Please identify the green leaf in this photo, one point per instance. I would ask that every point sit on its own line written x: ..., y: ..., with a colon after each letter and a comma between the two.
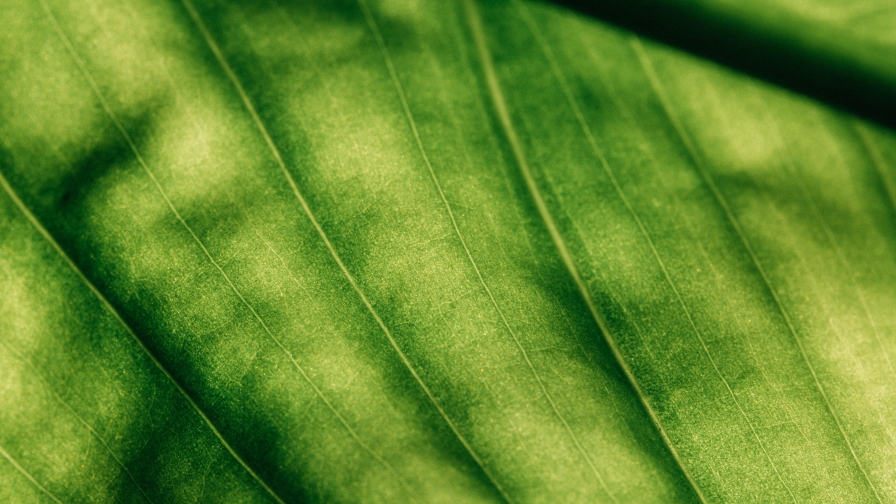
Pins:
x: 854, y: 35
x: 419, y: 251
x: 836, y: 50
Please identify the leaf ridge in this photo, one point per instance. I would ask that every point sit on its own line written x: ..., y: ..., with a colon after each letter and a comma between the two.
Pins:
x: 307, y: 210
x: 508, y: 181
x: 413, y: 125
x: 552, y: 60
x: 499, y: 103
x: 28, y: 475
x: 658, y: 89
x: 564, y: 85
x: 76, y: 415
x: 708, y: 260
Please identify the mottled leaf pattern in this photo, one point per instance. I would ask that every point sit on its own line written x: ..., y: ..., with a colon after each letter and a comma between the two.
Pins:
x: 419, y: 251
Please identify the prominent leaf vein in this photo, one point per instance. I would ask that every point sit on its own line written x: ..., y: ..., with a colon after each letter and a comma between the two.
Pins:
x: 107, y: 108
x: 211, y: 259
x: 413, y: 125
x: 657, y: 87
x: 500, y: 106
x: 598, y: 153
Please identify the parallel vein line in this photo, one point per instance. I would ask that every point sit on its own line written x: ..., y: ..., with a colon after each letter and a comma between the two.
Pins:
x: 413, y: 125
x: 657, y: 87
x: 598, y: 153
x: 500, y: 105
x: 28, y: 475
x: 217, y: 266
x: 835, y: 243
x: 709, y: 261
x: 107, y: 108
x: 109, y: 308
x: 880, y: 168
x: 307, y: 210
x: 83, y: 422
x: 342, y: 420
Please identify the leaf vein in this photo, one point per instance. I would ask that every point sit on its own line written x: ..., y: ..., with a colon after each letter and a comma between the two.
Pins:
x: 107, y: 108
x: 320, y: 232
x: 501, y: 110
x: 658, y: 89
x: 832, y: 238
x: 80, y: 419
x: 109, y: 308
x: 564, y: 85
x: 28, y: 475
x: 413, y: 125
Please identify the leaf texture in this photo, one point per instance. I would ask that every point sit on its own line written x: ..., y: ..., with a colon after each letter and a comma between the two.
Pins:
x: 414, y: 251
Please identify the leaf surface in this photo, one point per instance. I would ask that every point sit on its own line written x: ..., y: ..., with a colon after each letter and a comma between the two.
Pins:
x: 429, y: 252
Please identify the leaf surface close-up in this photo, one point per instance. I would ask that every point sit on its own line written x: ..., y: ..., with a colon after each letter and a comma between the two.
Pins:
x: 423, y: 251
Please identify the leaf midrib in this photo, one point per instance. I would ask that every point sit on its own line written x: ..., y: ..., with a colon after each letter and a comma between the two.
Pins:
x: 500, y: 108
